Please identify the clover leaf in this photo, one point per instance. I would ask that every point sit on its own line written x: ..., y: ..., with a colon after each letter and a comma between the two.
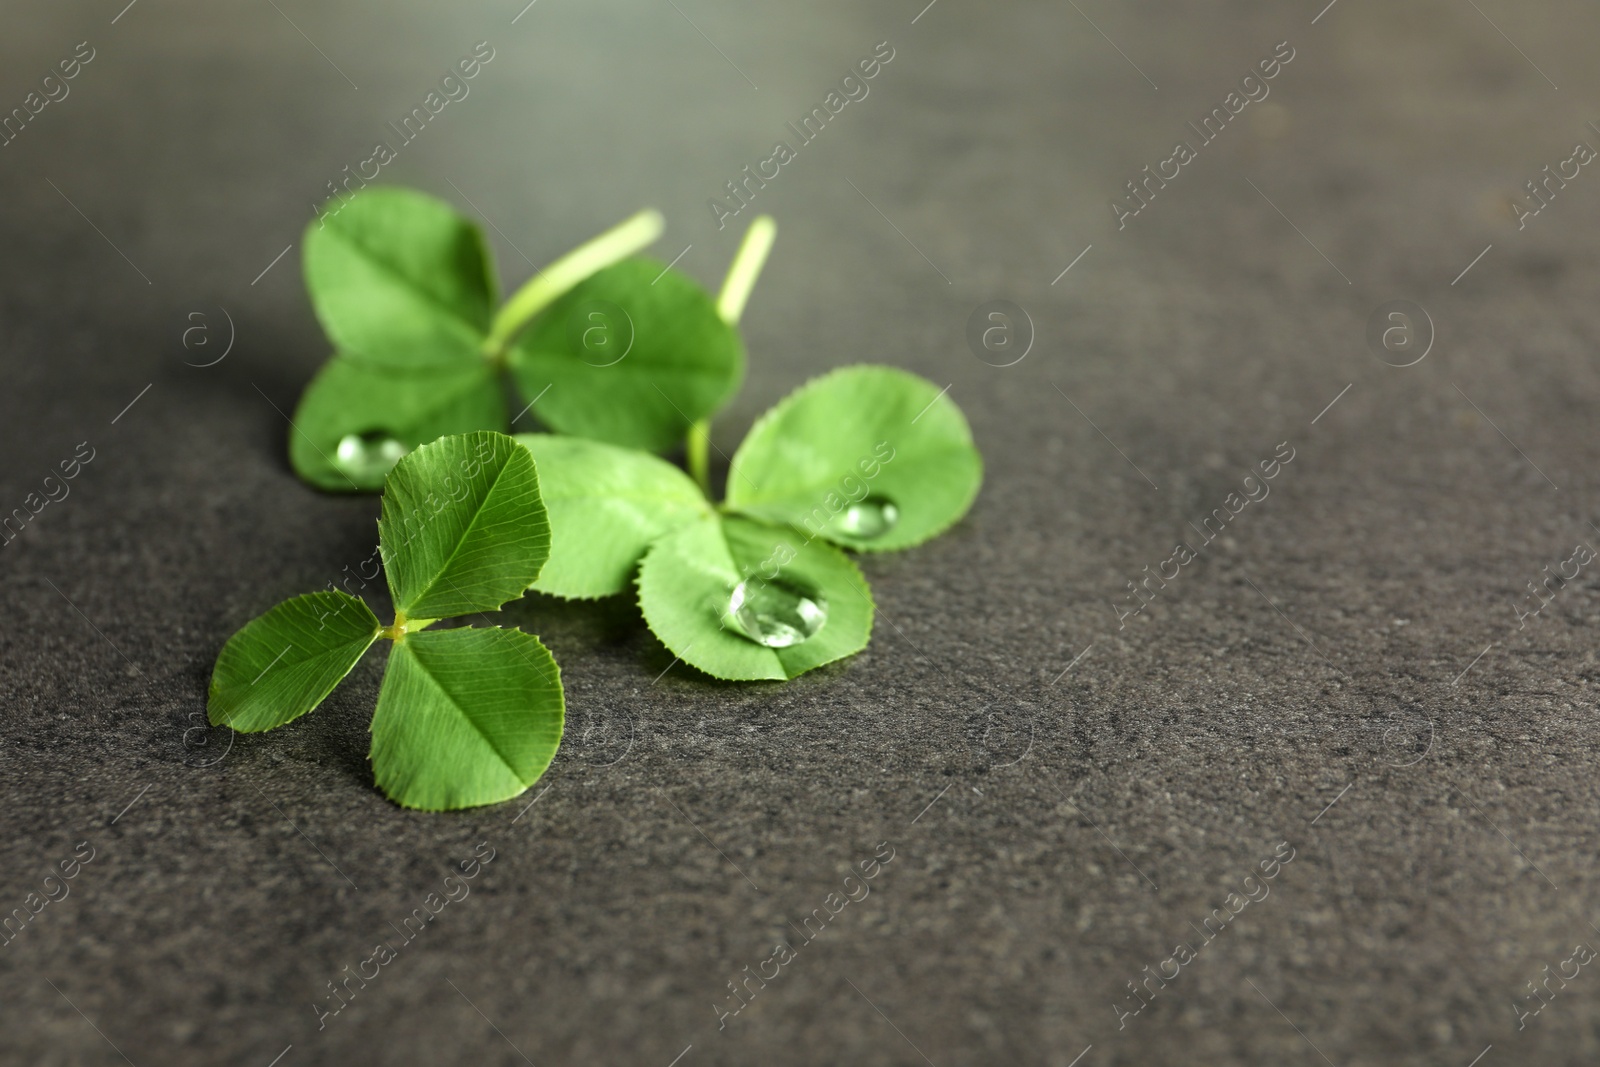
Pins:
x: 405, y: 289
x: 357, y: 419
x: 872, y: 458
x: 464, y: 528
x: 398, y: 278
x: 869, y: 458
x: 608, y: 504
x: 464, y: 716
x: 745, y: 601
x: 286, y: 662
x: 632, y: 356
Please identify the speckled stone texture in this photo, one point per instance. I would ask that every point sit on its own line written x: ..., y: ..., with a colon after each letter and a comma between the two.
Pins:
x: 1068, y: 790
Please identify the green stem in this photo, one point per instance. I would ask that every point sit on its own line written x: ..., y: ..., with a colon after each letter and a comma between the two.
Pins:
x: 746, y: 268
x: 736, y: 287
x: 402, y: 626
x: 698, y: 444
x: 545, y: 287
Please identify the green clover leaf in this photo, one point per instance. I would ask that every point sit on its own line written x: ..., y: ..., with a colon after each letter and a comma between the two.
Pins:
x: 464, y: 528
x: 398, y: 278
x: 872, y: 458
x: 356, y: 419
x: 632, y: 356
x: 286, y: 662
x: 869, y: 458
x: 745, y: 601
x: 465, y: 716
x: 608, y: 504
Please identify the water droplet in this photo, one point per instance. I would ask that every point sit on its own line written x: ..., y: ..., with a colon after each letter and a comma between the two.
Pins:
x: 368, y: 456
x: 865, y: 519
x: 772, y: 614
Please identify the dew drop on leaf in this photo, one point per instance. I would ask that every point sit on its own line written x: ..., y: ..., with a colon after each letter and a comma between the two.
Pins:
x: 774, y: 615
x: 368, y: 456
x: 865, y: 519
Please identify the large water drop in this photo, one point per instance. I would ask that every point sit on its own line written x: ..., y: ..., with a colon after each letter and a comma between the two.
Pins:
x: 865, y: 519
x: 367, y: 457
x: 772, y: 614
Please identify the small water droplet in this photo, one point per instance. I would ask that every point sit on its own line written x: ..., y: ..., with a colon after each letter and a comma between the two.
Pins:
x: 865, y: 519
x: 368, y: 456
x: 773, y: 614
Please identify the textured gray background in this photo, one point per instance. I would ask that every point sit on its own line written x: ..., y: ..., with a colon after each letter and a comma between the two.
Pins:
x: 1080, y: 822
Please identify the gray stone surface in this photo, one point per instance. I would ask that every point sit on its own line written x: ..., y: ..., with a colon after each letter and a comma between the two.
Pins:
x: 1054, y: 830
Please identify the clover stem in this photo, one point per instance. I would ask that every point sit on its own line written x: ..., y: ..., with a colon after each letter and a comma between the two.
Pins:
x: 746, y: 268
x: 402, y: 626
x: 736, y: 287
x: 545, y: 287
x: 699, y: 461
